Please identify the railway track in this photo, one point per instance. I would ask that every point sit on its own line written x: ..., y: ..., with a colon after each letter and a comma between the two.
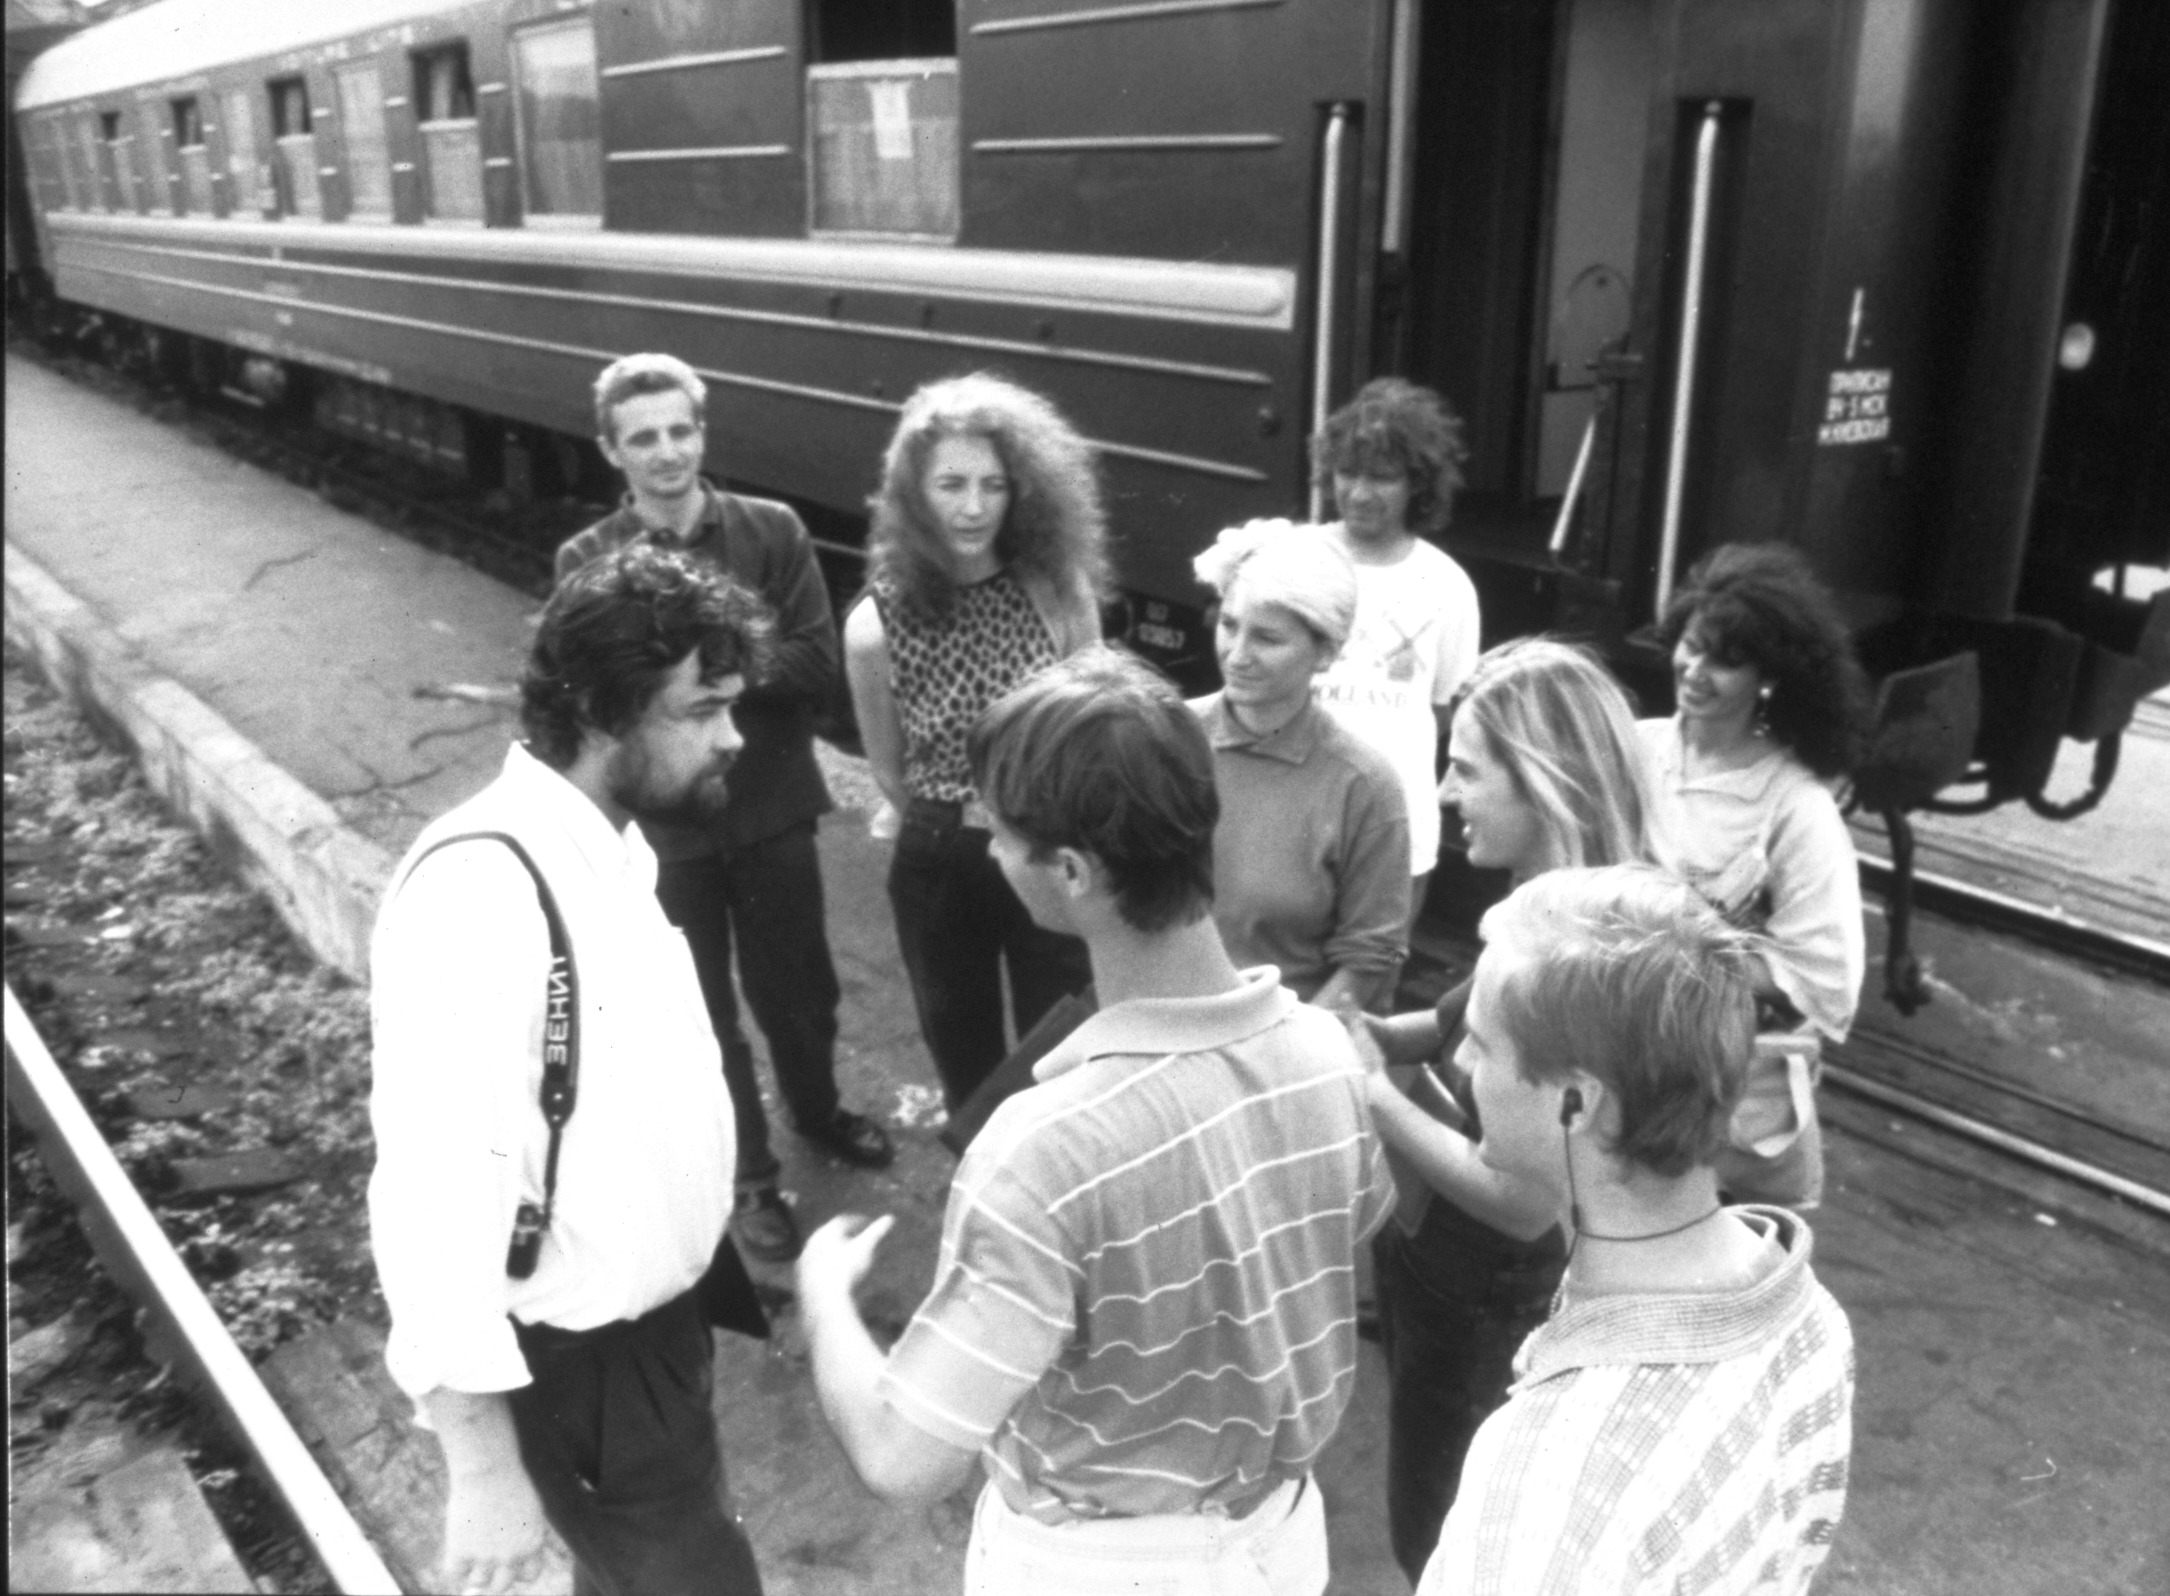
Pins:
x: 2064, y: 935
x: 1888, y: 1064
x: 136, y: 1254
x: 2039, y: 1128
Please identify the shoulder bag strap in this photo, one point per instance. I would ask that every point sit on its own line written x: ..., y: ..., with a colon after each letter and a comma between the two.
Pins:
x: 561, y: 1050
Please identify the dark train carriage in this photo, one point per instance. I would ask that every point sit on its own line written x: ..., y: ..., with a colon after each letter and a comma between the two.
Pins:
x: 1882, y: 278
x: 1886, y: 279
x: 481, y: 203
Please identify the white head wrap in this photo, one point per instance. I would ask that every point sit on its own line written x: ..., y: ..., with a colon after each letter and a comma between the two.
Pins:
x: 1299, y: 568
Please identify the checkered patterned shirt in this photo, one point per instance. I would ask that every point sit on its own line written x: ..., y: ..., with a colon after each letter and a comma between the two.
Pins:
x: 1146, y: 1296
x: 1664, y: 1443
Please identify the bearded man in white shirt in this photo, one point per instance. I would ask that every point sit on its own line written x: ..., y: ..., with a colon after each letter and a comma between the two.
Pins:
x: 573, y: 1384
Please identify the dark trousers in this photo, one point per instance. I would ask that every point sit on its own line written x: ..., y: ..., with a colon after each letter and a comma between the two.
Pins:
x: 959, y: 926
x: 770, y: 893
x: 618, y: 1433
x: 1450, y: 1323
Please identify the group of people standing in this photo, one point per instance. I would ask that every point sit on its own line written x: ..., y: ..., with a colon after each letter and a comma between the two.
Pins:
x: 1576, y: 1173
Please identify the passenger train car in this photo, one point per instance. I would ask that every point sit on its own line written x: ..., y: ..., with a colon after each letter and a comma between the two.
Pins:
x: 1886, y: 279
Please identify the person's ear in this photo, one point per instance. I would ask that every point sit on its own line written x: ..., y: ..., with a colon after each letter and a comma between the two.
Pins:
x: 1074, y: 869
x: 1582, y: 1102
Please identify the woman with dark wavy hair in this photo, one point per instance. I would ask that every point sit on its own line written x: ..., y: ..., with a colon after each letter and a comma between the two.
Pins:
x: 986, y: 562
x: 1770, y: 712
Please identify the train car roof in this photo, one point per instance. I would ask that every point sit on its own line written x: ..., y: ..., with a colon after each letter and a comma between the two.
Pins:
x: 179, y: 37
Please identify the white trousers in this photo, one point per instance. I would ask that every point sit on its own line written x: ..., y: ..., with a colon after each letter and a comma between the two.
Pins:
x: 1279, y: 1549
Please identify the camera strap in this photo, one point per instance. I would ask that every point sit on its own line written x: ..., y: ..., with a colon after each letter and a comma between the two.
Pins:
x: 561, y: 1048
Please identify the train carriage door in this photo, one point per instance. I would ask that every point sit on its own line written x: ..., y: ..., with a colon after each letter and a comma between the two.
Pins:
x: 1792, y: 291
x: 1512, y: 292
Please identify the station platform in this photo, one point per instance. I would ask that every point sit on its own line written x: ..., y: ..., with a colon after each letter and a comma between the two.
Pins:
x: 313, y: 690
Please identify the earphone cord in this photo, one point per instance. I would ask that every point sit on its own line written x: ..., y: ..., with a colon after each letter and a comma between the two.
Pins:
x: 1574, y: 1210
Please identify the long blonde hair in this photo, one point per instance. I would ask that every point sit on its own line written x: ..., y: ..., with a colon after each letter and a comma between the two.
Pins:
x: 1565, y: 731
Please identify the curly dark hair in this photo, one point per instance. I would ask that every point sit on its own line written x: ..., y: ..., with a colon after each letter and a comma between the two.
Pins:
x: 1056, y: 526
x: 616, y: 627
x: 1395, y: 428
x: 1759, y: 604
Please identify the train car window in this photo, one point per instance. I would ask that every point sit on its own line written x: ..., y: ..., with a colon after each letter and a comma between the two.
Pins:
x: 881, y: 113
x: 444, y: 91
x: 152, y: 147
x: 195, y: 158
x: 444, y: 106
x: 244, y: 192
x: 884, y: 147
x: 120, y: 156
x: 83, y: 159
x: 851, y: 30
x: 295, y: 176
x: 560, y: 131
x: 369, y: 154
x: 59, y: 137
x: 52, y: 186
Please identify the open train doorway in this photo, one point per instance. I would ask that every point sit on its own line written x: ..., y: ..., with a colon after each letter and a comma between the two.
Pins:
x: 1513, y: 211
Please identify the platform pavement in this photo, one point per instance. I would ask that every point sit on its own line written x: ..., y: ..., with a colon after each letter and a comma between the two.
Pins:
x: 2012, y: 1429
x: 282, y: 669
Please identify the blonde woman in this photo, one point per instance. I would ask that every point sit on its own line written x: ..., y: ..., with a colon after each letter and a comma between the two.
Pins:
x: 1544, y: 764
x: 1311, y: 855
x: 987, y: 562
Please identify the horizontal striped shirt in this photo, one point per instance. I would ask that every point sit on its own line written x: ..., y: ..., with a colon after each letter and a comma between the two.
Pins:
x: 1688, y: 1443
x: 1146, y: 1299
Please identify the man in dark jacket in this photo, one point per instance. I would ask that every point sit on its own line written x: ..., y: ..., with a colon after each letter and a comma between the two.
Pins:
x: 754, y: 868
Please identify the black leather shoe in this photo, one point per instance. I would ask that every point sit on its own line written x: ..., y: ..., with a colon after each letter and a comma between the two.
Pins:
x: 764, y: 1226
x: 856, y: 1139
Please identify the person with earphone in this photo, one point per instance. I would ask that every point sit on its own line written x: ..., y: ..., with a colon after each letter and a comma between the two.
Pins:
x: 1544, y: 770
x: 1684, y: 1415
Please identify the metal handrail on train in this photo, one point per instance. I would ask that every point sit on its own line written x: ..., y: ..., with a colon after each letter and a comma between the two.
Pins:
x: 136, y: 1253
x: 1322, y: 340
x: 1691, y: 328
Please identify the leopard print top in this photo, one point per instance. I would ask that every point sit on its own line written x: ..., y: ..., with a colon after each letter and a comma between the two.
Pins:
x: 945, y: 675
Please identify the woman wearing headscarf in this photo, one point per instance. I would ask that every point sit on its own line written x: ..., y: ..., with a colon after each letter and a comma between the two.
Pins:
x: 1311, y: 856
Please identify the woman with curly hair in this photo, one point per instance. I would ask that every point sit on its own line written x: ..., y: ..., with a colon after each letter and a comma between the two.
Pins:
x: 1769, y: 714
x: 1546, y: 769
x: 1391, y: 458
x: 986, y: 562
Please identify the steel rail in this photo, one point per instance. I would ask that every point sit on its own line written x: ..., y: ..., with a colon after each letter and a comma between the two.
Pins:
x: 2004, y: 1141
x: 136, y: 1253
x: 1997, y: 911
x: 1894, y: 1044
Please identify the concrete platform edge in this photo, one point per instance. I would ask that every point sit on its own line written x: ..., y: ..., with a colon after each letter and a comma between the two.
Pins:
x: 324, y: 879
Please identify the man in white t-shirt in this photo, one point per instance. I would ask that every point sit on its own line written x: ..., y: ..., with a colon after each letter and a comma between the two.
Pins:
x: 1392, y: 458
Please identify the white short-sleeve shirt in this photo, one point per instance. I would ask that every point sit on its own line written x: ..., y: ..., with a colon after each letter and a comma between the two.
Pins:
x: 1414, y: 641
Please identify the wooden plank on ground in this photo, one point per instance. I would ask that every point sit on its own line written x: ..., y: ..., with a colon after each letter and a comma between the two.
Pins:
x: 141, y: 1526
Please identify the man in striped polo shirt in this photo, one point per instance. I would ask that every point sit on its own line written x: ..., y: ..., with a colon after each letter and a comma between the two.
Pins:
x: 1144, y: 1314
x: 1683, y: 1421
